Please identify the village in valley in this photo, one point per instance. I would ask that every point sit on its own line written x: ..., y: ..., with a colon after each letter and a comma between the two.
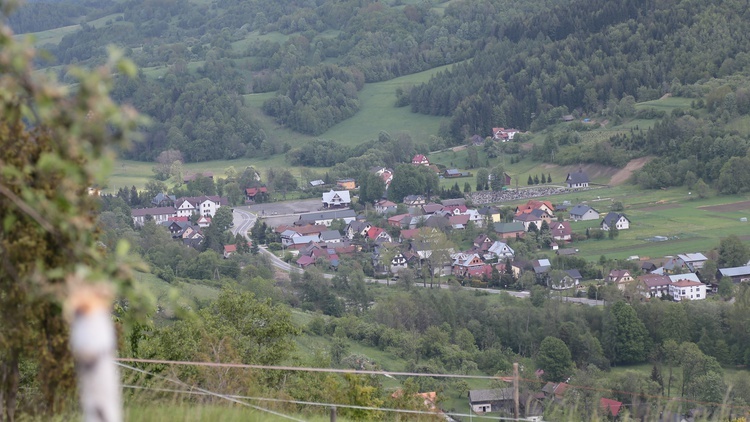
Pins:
x: 429, y: 236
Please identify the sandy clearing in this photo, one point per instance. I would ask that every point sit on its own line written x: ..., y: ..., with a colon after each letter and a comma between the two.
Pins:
x: 624, y: 174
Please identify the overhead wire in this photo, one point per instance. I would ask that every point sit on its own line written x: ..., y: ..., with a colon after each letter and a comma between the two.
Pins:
x: 337, y: 405
x: 210, y: 393
x: 414, y: 374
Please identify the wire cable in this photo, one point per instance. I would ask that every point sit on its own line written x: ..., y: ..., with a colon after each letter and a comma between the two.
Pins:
x: 210, y: 393
x: 343, y: 406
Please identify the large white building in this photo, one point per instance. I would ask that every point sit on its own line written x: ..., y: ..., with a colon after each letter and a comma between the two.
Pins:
x: 687, y: 290
x: 204, y: 206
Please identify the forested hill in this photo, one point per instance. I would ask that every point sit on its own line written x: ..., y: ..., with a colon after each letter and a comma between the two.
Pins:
x: 584, y: 55
x: 517, y: 63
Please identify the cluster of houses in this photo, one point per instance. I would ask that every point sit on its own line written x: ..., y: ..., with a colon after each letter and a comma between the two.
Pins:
x: 310, y: 237
x: 531, y: 404
x: 174, y: 214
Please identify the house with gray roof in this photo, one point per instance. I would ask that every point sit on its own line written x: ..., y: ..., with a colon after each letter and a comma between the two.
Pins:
x: 494, y: 400
x: 583, y: 212
x: 613, y: 219
x: 326, y: 217
x: 336, y: 199
x: 578, y: 179
x: 737, y: 274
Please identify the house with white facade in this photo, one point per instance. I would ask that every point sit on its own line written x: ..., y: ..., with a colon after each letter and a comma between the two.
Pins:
x: 337, y: 199
x: 613, y: 219
x: 578, y: 179
x: 687, y: 290
x: 583, y: 212
x: 499, y: 250
x: 326, y: 217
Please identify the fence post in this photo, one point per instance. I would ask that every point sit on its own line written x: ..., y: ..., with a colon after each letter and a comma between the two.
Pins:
x: 94, y: 345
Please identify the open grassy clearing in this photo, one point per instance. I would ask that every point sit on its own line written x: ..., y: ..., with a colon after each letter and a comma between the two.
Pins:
x: 666, y: 104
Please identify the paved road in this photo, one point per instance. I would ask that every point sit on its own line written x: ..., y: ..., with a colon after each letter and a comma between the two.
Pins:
x: 244, y: 221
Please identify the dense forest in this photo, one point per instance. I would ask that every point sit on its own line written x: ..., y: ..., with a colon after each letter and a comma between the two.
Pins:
x: 515, y: 64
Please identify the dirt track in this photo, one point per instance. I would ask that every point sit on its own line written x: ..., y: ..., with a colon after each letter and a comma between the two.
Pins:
x: 624, y: 174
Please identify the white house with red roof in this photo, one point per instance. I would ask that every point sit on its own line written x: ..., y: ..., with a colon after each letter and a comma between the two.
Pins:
x: 687, y: 289
x: 229, y: 250
x: 420, y: 160
x: 376, y: 234
x: 503, y: 135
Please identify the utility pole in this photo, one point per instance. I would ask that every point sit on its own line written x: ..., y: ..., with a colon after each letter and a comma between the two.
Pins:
x: 515, y: 390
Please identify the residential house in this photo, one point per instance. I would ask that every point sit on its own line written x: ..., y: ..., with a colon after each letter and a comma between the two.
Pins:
x: 386, y: 174
x: 203, y: 222
x: 482, y: 242
x: 331, y: 236
x: 458, y: 222
x: 336, y: 199
x: 255, y: 192
x: 163, y: 200
x: 357, y: 228
x: 229, y: 250
x: 495, y: 400
x: 176, y: 228
x: 541, y: 266
x: 648, y: 266
x: 490, y: 214
x: 455, y: 209
x: 620, y: 278
x: 509, y: 230
x: 192, y: 237
x: 737, y: 274
x: 159, y: 215
x: 537, y: 216
x: 420, y: 160
x: 654, y: 285
x: 305, y: 261
x: 399, y: 220
x: 408, y: 234
x: 555, y: 391
x: 693, y: 261
x: 201, y: 205
x: 561, y: 230
x: 431, y: 208
x: 687, y: 290
x: 376, y: 234
x: 613, y: 219
x: 568, y: 281
x: 534, y: 204
x: 475, y: 217
x: 578, y: 179
x: 500, y: 250
x: 414, y: 200
x: 609, y: 407
x: 299, y: 242
x: 575, y: 275
x: 385, y: 206
x: 582, y: 212
x: 326, y: 217
x: 347, y: 184
x: 398, y: 263
x: 451, y: 173
x: 502, y: 134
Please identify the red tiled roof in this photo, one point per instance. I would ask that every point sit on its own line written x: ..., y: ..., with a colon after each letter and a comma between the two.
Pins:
x: 610, y: 406
x: 230, y: 248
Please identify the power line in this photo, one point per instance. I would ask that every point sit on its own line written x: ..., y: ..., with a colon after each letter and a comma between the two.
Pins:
x: 210, y: 393
x: 313, y: 403
x: 305, y: 369
x: 411, y: 374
